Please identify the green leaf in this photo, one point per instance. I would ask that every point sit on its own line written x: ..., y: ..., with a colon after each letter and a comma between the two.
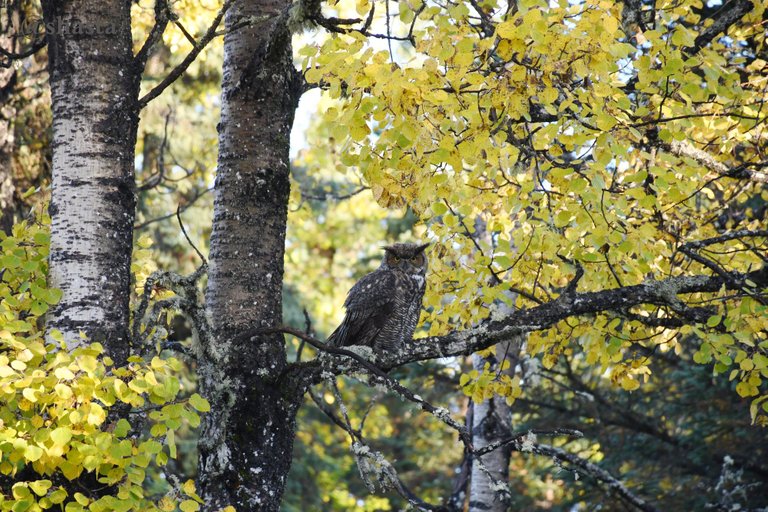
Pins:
x: 122, y: 428
x: 40, y: 487
x: 21, y: 505
x: 170, y: 438
x: 33, y: 452
x: 189, y: 506
x: 58, y: 496
x: 199, y: 403
x: 61, y: 436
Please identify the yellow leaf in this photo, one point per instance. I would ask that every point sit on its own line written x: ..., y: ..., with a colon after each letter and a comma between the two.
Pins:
x: 61, y: 436
x: 189, y: 506
x: 506, y: 29
x: 188, y: 487
x: 29, y: 394
x: 33, y: 452
x: 40, y: 487
x: 167, y: 505
x: 64, y: 374
x: 629, y: 384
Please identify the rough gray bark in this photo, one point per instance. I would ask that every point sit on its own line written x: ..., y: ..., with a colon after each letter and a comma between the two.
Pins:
x: 247, y: 438
x: 92, y: 200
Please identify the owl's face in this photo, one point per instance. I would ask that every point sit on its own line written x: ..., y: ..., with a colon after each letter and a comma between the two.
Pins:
x: 408, y: 258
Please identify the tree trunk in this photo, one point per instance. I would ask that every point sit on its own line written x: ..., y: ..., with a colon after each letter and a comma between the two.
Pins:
x: 7, y: 113
x: 247, y: 438
x: 491, y: 422
x: 93, y: 89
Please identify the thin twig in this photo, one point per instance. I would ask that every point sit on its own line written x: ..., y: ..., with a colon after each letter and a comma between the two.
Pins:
x: 188, y: 204
x: 181, y: 225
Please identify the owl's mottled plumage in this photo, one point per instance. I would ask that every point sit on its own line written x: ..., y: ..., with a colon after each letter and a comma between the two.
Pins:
x: 384, y: 306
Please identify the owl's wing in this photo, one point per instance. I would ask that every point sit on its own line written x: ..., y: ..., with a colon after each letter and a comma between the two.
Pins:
x: 369, y: 304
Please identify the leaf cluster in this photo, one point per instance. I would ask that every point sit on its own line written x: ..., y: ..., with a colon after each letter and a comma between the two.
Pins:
x: 59, y: 422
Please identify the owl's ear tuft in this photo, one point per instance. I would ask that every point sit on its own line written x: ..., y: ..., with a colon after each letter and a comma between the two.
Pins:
x: 421, y: 248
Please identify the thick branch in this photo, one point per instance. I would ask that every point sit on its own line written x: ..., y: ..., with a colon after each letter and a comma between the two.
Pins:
x: 726, y: 16
x: 685, y: 149
x: 458, y: 343
x: 542, y: 317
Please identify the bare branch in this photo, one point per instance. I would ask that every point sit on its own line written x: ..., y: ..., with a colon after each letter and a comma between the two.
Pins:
x: 161, y: 21
x: 325, y: 409
x: 157, y: 178
x: 517, y: 437
x: 11, y: 56
x: 377, y: 374
x: 325, y: 196
x: 733, y: 235
x: 181, y: 225
x: 189, y: 59
x: 596, y: 472
x: 188, y: 204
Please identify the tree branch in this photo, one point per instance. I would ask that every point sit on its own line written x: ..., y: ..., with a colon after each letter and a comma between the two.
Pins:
x: 685, y: 149
x: 189, y: 59
x: 595, y: 472
x: 161, y: 21
x: 190, y: 202
x: 458, y: 343
x: 11, y: 56
x: 520, y: 436
x: 722, y: 20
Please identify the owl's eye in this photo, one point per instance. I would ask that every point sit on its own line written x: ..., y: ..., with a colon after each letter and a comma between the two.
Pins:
x: 393, y: 260
x: 418, y: 259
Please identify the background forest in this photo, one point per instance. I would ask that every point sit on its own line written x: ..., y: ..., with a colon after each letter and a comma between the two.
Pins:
x: 543, y: 148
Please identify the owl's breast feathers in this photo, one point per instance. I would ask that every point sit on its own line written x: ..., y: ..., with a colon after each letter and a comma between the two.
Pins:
x: 382, y: 311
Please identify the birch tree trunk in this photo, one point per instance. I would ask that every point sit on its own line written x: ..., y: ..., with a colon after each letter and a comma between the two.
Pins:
x: 7, y: 81
x: 247, y: 438
x: 93, y: 89
x: 491, y: 422
x: 7, y: 113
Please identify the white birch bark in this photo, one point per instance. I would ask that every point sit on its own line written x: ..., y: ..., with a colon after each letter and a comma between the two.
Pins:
x: 7, y: 112
x: 491, y: 422
x: 492, y: 419
x: 92, y: 202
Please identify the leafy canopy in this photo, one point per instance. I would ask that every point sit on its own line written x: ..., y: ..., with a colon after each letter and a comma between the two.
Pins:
x: 536, y: 138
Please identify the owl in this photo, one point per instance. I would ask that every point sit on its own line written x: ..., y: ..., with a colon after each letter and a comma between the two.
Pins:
x: 384, y: 306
